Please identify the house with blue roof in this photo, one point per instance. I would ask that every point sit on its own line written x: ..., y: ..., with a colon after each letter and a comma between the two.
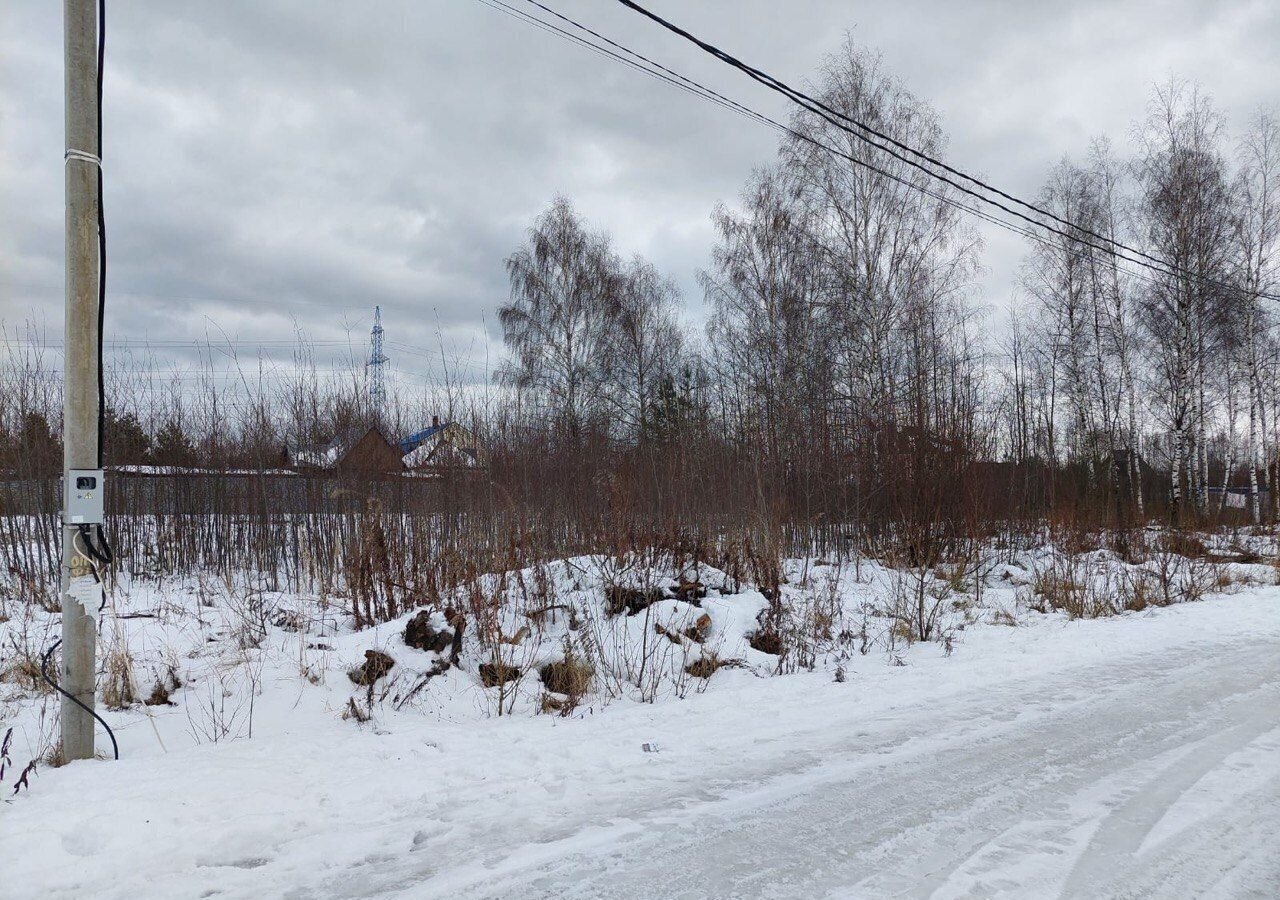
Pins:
x: 442, y: 445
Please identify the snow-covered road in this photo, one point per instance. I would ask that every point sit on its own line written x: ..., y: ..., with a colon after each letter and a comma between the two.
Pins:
x: 1157, y: 776
x: 1128, y: 758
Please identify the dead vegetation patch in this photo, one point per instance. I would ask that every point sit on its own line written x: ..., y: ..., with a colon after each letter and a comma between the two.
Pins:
x: 700, y: 630
x: 568, y: 676
x: 1182, y: 543
x: 118, y: 690
x: 671, y: 634
x: 766, y: 641
x: 24, y: 671
x: 421, y: 634
x: 159, y: 695
x: 691, y: 591
x: 495, y: 674
x: 709, y: 663
x: 376, y: 665
x: 1004, y: 617
x: 619, y: 599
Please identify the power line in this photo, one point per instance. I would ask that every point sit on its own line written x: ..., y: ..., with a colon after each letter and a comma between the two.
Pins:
x: 703, y: 90
x: 550, y: 28
x: 709, y: 94
x: 194, y: 374
x: 662, y: 72
x: 826, y: 112
x: 143, y: 344
x: 1014, y: 228
x: 795, y: 94
x: 275, y: 365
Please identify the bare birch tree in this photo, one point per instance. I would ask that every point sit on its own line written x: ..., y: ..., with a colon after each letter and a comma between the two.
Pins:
x: 1185, y: 211
x: 556, y: 322
x: 1257, y: 240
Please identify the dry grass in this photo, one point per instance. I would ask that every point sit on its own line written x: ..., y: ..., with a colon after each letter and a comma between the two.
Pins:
x: 1003, y: 617
x: 571, y: 678
x: 1137, y: 592
x: 1183, y: 543
x: 1075, y: 587
x: 24, y: 672
x: 117, y: 690
x: 705, y: 666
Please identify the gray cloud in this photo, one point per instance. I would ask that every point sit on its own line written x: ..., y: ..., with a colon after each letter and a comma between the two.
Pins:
x: 279, y: 162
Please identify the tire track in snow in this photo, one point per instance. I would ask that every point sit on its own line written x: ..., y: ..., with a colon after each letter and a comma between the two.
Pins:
x: 911, y: 806
x: 1124, y: 830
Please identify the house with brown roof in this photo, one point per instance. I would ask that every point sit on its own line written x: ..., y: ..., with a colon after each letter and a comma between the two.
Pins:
x: 358, y: 452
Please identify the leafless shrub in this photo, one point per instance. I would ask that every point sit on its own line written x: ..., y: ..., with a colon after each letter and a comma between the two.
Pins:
x: 355, y: 713
x: 1078, y: 587
x: 222, y: 707
x: 1137, y: 590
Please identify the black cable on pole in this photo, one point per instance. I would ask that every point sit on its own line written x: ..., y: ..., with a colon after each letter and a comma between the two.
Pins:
x: 44, y: 673
x: 706, y: 93
x: 99, y: 553
x: 107, y: 556
x: 102, y: 240
x: 826, y: 112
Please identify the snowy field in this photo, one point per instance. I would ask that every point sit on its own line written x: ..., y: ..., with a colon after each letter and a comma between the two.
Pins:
x: 1014, y: 753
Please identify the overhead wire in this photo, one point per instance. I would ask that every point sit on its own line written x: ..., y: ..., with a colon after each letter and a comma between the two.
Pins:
x: 518, y: 14
x: 667, y: 74
x: 826, y: 112
x: 808, y: 138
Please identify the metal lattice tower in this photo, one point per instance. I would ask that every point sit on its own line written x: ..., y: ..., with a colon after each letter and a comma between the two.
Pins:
x: 376, y: 364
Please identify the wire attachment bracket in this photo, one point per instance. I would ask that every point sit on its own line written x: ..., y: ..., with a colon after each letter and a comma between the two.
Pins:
x: 83, y: 156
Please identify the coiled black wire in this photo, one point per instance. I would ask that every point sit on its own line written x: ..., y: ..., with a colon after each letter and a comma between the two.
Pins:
x: 44, y: 673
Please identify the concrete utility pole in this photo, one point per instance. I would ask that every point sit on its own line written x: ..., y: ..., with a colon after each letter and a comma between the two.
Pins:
x: 80, y: 387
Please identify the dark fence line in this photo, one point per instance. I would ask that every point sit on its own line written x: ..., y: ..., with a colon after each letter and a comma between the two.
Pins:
x: 386, y: 542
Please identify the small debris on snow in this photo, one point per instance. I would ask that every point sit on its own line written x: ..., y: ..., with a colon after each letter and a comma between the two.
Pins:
x: 422, y: 634
x: 376, y: 664
x: 493, y: 674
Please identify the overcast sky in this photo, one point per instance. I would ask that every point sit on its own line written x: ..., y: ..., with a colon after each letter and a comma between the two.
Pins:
x: 280, y: 164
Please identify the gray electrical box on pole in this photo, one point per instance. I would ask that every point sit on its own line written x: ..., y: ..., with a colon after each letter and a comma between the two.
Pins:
x: 83, y: 168
x: 84, y: 505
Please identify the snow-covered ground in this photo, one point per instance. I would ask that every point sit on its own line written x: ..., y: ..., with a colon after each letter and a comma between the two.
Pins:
x: 1131, y: 756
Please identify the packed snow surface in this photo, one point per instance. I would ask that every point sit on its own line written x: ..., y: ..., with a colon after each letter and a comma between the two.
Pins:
x: 1132, y: 756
